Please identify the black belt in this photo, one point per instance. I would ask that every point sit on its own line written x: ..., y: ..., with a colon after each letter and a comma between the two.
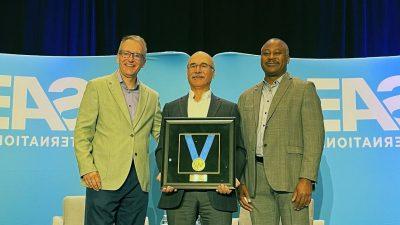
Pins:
x: 260, y: 159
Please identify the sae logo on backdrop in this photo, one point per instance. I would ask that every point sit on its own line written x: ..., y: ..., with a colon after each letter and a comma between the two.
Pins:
x: 40, y: 97
x: 35, y: 110
x: 359, y: 105
x: 358, y: 97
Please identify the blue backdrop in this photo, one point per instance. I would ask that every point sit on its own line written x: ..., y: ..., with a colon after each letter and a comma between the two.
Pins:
x: 39, y: 97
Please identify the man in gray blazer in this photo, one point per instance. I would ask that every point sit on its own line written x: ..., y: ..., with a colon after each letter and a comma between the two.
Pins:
x: 283, y: 132
x: 214, y: 206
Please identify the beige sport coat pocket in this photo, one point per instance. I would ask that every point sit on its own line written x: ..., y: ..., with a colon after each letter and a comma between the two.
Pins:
x: 294, y: 149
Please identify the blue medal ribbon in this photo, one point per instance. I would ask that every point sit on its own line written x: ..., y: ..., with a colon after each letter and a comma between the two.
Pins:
x: 206, y: 148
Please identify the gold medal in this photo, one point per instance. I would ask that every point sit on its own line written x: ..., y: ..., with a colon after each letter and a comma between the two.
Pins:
x: 198, y: 164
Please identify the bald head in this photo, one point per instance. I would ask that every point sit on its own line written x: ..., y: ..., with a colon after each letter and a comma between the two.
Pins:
x: 202, y: 56
x: 200, y: 71
x: 276, y: 41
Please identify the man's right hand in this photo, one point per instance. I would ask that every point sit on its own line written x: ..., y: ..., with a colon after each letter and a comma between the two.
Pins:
x: 244, y: 198
x: 168, y: 189
x: 92, y: 180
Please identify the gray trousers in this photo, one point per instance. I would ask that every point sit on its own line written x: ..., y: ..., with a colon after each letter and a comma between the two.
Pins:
x: 270, y: 206
x: 125, y: 206
x: 196, y: 203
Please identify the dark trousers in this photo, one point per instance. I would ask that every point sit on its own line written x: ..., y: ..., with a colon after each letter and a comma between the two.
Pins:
x: 196, y: 203
x: 125, y: 206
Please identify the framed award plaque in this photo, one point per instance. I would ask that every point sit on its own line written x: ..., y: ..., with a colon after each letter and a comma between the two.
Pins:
x: 199, y: 153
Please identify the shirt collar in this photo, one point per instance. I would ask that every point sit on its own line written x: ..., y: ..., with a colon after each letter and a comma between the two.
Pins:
x: 275, y: 83
x: 206, y: 95
x: 119, y: 76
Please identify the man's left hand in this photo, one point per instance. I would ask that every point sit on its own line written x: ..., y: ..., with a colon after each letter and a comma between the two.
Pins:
x: 223, y: 189
x: 302, y: 194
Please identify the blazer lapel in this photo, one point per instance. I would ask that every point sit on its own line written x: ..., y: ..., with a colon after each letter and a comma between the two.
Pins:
x: 141, y: 106
x: 183, y: 105
x: 283, y: 86
x: 215, y: 103
x: 116, y: 91
x: 257, y: 93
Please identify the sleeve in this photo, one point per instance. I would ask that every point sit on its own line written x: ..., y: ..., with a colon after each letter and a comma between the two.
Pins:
x: 159, y: 150
x: 85, y: 129
x: 240, y: 149
x: 242, y: 177
x: 313, y: 132
x: 157, y: 121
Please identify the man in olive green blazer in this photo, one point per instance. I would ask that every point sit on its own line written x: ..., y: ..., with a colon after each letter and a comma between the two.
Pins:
x: 283, y: 132
x: 116, y: 117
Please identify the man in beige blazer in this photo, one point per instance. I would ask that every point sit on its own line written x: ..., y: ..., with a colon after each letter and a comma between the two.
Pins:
x: 116, y: 117
x: 283, y: 132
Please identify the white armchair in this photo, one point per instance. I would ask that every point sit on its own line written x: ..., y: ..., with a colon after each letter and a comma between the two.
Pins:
x: 73, y: 211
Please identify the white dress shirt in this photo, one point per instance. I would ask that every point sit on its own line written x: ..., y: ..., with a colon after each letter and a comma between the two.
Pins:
x: 199, y: 108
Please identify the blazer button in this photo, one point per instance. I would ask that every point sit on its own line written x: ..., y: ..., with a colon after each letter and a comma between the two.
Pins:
x: 131, y: 135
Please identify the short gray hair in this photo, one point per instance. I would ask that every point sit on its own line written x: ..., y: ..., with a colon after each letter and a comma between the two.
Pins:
x: 137, y: 38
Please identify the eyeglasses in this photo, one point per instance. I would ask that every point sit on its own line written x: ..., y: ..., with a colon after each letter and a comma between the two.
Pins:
x: 127, y: 54
x: 203, y: 66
